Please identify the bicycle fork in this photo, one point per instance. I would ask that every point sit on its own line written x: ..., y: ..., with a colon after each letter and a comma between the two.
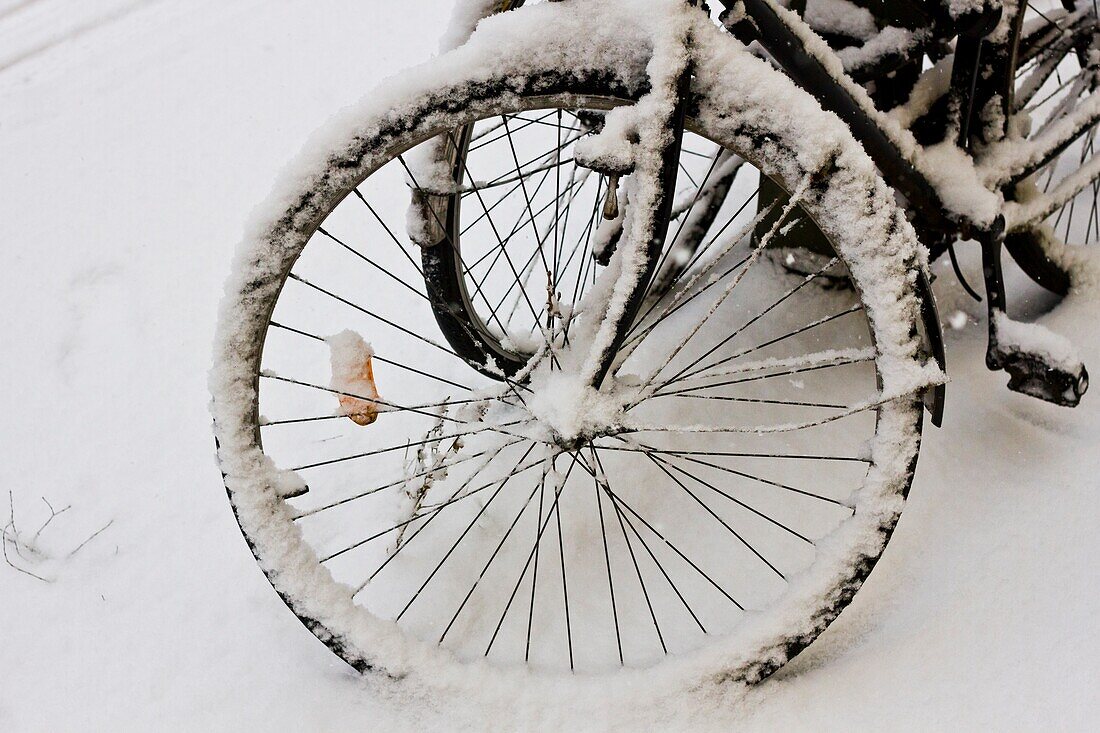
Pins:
x: 648, y: 231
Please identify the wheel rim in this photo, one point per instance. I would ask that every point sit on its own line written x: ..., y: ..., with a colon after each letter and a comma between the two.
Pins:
x: 669, y: 460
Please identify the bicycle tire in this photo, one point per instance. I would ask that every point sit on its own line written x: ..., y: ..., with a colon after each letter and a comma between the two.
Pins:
x: 878, y: 248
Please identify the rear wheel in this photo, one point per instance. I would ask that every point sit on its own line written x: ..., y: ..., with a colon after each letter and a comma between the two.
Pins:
x: 722, y: 496
x: 534, y: 229
x: 1056, y: 72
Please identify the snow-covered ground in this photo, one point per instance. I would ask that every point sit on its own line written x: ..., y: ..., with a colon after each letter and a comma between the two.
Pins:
x: 135, y: 138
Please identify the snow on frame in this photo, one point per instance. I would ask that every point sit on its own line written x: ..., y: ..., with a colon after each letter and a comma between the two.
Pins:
x: 879, y: 246
x: 955, y: 178
x: 840, y: 17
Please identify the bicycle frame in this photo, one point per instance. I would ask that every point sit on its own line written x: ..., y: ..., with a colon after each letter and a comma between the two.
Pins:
x: 782, y: 34
x: 899, y: 155
x: 786, y: 42
x: 793, y: 45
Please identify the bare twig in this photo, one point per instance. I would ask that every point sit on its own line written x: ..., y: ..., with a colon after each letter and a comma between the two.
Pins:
x: 13, y: 538
x: 49, y: 519
x: 10, y: 534
x: 92, y: 537
x: 13, y: 565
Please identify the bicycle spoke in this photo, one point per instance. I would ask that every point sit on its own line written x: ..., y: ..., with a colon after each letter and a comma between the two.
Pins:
x: 499, y: 483
x: 418, y: 410
x: 735, y: 500
x: 859, y: 357
x: 368, y: 312
x: 523, y: 573
x: 682, y: 298
x: 762, y: 401
x: 376, y: 357
x: 431, y: 513
x: 564, y: 588
x: 616, y: 500
x: 485, y: 569
x: 713, y: 514
x: 641, y: 580
x: 389, y: 449
x: 744, y: 454
x: 783, y: 337
x: 729, y: 288
x: 399, y: 482
x: 373, y: 264
x: 503, y: 249
x: 497, y: 126
x: 670, y: 245
x: 649, y: 551
x: 736, y: 332
x: 465, y: 532
x: 392, y: 236
x: 607, y: 561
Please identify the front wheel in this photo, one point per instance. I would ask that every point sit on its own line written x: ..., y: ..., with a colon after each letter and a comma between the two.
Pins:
x: 720, y: 498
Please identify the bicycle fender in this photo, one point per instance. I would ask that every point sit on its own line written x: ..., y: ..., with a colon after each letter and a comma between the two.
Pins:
x: 932, y: 337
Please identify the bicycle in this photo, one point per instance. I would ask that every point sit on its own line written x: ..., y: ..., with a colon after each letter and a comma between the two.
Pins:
x: 607, y: 416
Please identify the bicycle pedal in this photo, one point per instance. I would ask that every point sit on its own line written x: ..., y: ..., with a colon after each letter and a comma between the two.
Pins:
x: 1031, y: 375
x: 1039, y: 363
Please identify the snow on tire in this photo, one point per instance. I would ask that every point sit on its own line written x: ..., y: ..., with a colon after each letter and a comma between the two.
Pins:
x: 663, y: 523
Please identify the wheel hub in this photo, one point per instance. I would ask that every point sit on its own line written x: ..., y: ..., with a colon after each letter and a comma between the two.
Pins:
x: 572, y: 412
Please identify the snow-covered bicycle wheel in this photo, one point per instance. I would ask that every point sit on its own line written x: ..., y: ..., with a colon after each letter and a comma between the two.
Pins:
x: 529, y: 220
x: 719, y: 499
x: 534, y: 227
x: 1055, y: 76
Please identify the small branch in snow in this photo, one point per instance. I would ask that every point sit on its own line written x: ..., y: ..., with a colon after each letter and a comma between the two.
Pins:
x: 28, y: 550
x: 10, y: 534
x: 53, y: 513
x: 90, y: 538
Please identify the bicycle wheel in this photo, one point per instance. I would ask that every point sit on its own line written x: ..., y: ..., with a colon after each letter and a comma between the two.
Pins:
x: 719, y: 499
x: 529, y: 221
x: 1055, y: 73
x: 705, y: 177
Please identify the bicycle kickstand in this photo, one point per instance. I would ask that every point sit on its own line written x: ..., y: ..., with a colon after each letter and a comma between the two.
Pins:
x: 1039, y: 362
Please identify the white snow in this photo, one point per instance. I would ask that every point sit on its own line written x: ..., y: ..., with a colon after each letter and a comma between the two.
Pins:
x: 891, y: 40
x: 829, y: 356
x: 958, y: 320
x: 612, y: 151
x: 562, y: 402
x: 931, y: 85
x: 840, y: 17
x: 958, y: 182
x: 132, y: 156
x: 959, y: 8
x: 1033, y: 338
